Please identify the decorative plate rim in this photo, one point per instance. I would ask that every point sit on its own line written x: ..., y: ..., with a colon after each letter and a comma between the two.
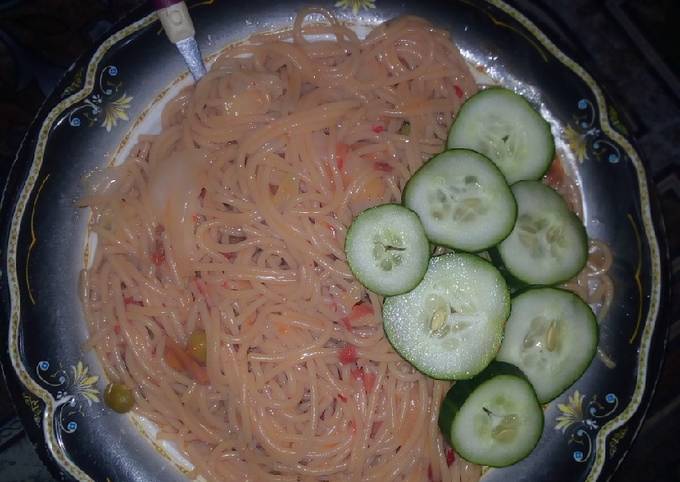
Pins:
x: 56, y: 449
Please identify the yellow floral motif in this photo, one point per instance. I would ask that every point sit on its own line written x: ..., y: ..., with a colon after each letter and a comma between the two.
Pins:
x: 615, y: 120
x: 576, y: 141
x: 115, y: 111
x: 572, y: 412
x: 356, y: 5
x: 616, y: 439
x: 34, y: 406
x: 83, y: 383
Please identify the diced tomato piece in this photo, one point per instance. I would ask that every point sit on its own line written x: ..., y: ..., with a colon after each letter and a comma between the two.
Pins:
x: 360, y: 310
x: 129, y: 300
x: 382, y: 167
x: 348, y: 354
x: 459, y: 92
x: 378, y: 128
x: 450, y: 456
x: 555, y: 174
x: 158, y: 254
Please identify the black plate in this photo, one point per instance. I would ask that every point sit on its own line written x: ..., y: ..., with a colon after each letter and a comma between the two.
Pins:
x: 105, y: 98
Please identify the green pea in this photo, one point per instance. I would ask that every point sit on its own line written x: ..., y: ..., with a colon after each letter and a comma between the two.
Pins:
x: 119, y: 397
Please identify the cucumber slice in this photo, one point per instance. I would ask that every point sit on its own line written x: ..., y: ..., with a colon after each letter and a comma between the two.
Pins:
x: 462, y: 200
x: 551, y: 336
x: 387, y: 249
x: 450, y: 326
x: 504, y: 127
x: 548, y: 244
x: 494, y: 419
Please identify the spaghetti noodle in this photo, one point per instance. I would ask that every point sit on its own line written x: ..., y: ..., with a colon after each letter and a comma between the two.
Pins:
x: 228, y: 227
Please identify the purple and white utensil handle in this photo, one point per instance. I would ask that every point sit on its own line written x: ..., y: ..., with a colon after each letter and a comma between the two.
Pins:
x: 176, y: 21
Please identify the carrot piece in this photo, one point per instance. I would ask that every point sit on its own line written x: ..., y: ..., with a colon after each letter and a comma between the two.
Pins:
x: 196, y: 371
x: 171, y: 358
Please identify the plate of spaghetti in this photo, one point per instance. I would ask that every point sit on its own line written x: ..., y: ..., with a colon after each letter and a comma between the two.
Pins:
x: 178, y: 300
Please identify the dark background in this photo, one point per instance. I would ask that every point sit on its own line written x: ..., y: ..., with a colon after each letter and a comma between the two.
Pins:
x: 630, y: 46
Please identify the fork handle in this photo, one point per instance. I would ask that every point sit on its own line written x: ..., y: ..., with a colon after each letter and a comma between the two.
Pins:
x: 174, y: 16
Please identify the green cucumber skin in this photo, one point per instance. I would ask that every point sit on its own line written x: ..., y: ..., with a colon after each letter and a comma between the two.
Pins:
x: 595, y: 330
x: 494, y: 90
x: 444, y: 243
x: 515, y: 285
x: 461, y: 390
